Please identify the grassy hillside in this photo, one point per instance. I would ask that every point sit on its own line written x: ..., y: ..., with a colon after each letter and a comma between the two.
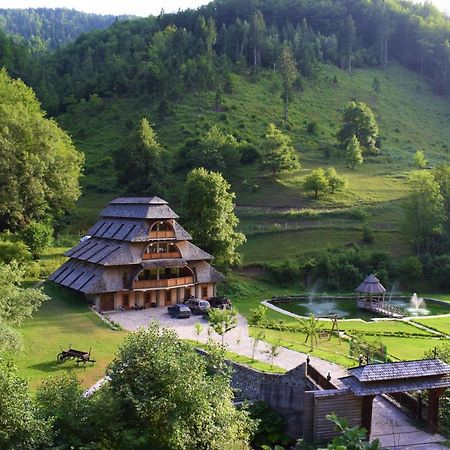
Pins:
x: 410, y: 117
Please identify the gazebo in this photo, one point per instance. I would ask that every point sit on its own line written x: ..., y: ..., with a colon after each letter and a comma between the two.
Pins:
x: 370, y: 293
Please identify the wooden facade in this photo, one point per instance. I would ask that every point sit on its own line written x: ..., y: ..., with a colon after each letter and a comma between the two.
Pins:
x: 137, y: 255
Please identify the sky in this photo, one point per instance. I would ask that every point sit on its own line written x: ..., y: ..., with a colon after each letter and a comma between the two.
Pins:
x: 134, y: 7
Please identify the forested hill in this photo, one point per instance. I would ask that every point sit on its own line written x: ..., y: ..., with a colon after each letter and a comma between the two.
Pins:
x: 196, y: 49
x: 46, y: 28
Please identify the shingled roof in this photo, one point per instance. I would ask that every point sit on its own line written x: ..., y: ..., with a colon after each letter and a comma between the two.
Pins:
x: 139, y: 208
x: 401, y: 369
x: 371, y: 285
x: 402, y: 376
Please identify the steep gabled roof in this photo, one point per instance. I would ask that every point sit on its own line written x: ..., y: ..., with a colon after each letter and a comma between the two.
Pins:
x: 191, y: 252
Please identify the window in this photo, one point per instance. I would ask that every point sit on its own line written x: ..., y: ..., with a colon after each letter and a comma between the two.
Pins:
x: 204, y: 291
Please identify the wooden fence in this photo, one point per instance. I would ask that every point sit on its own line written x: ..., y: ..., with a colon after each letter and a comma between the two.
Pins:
x: 414, y: 405
x: 341, y: 224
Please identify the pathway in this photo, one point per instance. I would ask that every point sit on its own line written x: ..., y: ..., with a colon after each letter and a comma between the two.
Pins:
x: 389, y: 424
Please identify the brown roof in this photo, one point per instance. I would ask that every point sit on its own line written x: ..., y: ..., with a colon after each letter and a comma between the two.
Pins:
x: 371, y: 285
x: 191, y: 252
x: 138, y: 200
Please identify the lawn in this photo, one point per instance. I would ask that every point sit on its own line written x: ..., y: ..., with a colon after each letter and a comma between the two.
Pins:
x: 441, y: 324
x: 64, y: 321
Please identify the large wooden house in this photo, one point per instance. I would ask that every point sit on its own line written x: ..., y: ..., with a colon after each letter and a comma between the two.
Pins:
x: 138, y: 255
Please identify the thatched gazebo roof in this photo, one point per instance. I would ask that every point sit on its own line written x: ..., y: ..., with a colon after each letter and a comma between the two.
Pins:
x: 371, y: 285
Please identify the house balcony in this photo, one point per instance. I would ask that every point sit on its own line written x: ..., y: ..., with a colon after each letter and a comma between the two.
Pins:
x: 165, y: 234
x: 162, y: 255
x: 168, y: 282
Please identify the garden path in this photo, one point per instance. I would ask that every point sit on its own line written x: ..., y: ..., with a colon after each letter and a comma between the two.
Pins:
x: 389, y: 424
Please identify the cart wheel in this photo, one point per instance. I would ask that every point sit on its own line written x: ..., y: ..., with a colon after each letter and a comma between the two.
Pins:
x: 60, y: 357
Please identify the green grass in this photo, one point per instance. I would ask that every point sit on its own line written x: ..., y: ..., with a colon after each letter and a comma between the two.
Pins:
x: 278, y: 246
x: 245, y: 360
x: 441, y: 324
x: 64, y: 321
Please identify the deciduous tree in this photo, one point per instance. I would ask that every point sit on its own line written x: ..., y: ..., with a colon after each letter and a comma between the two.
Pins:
x: 222, y: 321
x: 277, y: 152
x: 359, y: 121
x: 316, y: 181
x: 423, y: 210
x: 39, y: 166
x: 419, y: 160
x: 170, y: 399
x: 209, y: 215
x: 288, y: 70
x: 335, y: 181
x: 353, y: 153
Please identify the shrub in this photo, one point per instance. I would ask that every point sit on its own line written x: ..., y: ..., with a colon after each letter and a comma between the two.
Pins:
x: 10, y: 250
x: 37, y: 236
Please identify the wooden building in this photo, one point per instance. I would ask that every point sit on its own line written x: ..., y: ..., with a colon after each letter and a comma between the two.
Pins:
x: 138, y: 254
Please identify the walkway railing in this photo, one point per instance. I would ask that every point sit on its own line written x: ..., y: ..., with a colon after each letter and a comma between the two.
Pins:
x: 320, y: 380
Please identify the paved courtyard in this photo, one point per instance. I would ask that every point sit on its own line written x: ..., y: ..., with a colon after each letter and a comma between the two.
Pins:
x: 389, y: 424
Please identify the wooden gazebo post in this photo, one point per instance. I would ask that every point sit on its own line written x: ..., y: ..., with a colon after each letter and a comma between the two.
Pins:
x: 433, y: 409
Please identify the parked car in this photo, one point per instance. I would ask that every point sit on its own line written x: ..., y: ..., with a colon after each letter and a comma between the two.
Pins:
x: 220, y: 302
x: 179, y: 311
x: 197, y: 305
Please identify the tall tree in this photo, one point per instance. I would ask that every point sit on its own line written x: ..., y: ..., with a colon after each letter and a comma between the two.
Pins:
x: 423, y: 210
x: 442, y: 177
x: 359, y: 121
x: 346, y: 41
x: 142, y: 164
x: 288, y: 70
x: 171, y: 398
x: 256, y: 36
x: 39, y: 166
x: 277, y: 152
x: 209, y: 215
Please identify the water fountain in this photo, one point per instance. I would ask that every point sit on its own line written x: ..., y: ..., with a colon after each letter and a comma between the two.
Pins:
x: 417, y: 306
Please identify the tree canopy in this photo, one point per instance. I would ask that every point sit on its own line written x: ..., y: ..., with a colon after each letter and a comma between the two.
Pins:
x: 209, y: 215
x: 359, y: 121
x: 39, y: 166
x: 142, y: 164
x: 423, y: 210
x: 277, y: 153
x: 171, y: 398
x: 353, y: 153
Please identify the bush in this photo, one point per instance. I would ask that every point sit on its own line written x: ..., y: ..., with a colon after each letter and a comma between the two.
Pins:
x: 37, y: 236
x: 10, y: 250
x: 367, y: 235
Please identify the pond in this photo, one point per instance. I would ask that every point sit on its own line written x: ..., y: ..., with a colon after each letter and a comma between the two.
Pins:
x: 347, y: 308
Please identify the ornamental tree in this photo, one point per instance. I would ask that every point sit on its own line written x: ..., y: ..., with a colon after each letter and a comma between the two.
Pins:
x: 222, y: 321
x: 277, y: 152
x: 359, y: 121
x: 209, y: 215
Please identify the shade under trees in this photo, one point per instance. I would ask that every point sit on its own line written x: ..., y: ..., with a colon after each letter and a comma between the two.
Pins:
x: 209, y: 215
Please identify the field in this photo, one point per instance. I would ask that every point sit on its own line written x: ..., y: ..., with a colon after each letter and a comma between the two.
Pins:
x: 65, y: 321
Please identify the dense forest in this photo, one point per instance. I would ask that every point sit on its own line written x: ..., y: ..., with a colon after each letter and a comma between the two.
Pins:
x: 46, y: 28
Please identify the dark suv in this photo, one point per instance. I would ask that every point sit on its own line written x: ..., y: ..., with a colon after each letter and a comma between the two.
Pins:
x: 220, y: 302
x: 179, y: 311
x: 197, y: 305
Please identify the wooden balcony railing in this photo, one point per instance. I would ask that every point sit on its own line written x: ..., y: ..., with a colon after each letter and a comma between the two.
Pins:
x: 162, y: 255
x: 162, y: 234
x: 169, y: 282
